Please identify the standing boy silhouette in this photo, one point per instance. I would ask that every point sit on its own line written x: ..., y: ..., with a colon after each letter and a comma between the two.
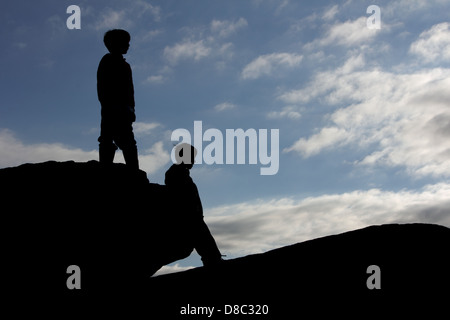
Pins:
x: 116, y: 95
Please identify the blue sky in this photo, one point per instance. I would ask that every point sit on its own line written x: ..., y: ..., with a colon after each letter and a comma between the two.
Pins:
x: 363, y: 114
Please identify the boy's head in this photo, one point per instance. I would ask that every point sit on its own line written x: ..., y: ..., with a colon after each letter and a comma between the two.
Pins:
x: 117, y: 41
x: 185, y: 154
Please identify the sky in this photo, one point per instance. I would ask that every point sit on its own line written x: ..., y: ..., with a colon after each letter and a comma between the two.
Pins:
x: 362, y: 113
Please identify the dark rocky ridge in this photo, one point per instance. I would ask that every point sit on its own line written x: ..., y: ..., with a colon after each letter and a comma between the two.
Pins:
x: 328, y: 275
x: 111, y: 222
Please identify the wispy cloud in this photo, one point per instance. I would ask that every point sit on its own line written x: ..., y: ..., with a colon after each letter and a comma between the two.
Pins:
x: 171, y: 269
x: 330, y: 13
x: 398, y: 119
x: 111, y: 19
x: 349, y: 33
x: 143, y: 8
x: 144, y: 128
x: 225, y: 28
x: 324, y: 82
x: 187, y: 49
x: 433, y: 45
x: 259, y: 226
x: 153, y: 159
x: 155, y: 79
x: 290, y: 112
x: 126, y: 17
x: 266, y: 65
x: 205, y: 42
x: 224, y: 106
x: 14, y: 152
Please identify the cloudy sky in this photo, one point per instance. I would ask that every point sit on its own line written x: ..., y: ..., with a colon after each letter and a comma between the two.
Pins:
x: 363, y: 114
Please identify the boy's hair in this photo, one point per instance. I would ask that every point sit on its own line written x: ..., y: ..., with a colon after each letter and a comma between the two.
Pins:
x: 115, y: 38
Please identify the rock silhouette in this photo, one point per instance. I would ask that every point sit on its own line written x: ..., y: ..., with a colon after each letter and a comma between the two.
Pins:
x: 107, y: 216
x: 328, y: 276
x: 115, y: 225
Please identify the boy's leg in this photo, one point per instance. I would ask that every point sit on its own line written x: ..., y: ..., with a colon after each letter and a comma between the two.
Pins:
x: 205, y: 245
x: 107, y: 148
x: 124, y: 138
x: 130, y: 153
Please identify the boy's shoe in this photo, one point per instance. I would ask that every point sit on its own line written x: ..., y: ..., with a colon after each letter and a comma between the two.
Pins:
x: 208, y: 262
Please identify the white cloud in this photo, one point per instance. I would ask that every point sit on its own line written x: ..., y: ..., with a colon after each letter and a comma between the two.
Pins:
x: 14, y: 152
x: 111, y: 19
x: 149, y: 35
x: 433, y: 45
x: 407, y: 7
x: 397, y: 119
x: 153, y: 159
x: 330, y: 13
x: 224, y: 106
x: 205, y: 42
x: 290, y: 112
x: 324, y: 82
x: 144, y: 128
x: 171, y: 269
x: 225, y: 28
x: 266, y: 224
x: 162, y: 76
x: 265, y: 64
x: 142, y: 7
x: 155, y: 79
x: 326, y: 138
x: 348, y: 33
x: 284, y: 4
x: 226, y: 50
x: 187, y: 50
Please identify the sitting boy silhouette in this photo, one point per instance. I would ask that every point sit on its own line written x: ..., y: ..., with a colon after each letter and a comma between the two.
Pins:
x: 180, y: 183
x: 116, y: 95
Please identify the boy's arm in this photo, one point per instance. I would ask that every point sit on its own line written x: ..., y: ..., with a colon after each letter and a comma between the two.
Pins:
x: 115, y: 84
x: 104, y: 78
